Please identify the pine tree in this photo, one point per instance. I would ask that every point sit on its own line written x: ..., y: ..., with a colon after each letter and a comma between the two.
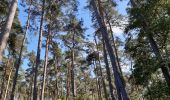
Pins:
x: 38, y: 52
x: 118, y: 81
x: 5, y: 34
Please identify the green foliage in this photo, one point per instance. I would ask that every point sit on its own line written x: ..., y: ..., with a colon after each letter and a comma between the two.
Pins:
x: 3, y: 7
x: 12, y: 43
x: 56, y: 50
x: 157, y: 91
x: 148, y: 17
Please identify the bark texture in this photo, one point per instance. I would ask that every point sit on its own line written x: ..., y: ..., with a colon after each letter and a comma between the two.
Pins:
x: 5, y: 34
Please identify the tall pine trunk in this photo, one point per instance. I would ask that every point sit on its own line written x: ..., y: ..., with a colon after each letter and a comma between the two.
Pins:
x: 99, y: 90
x: 31, y: 84
x: 114, y: 46
x: 38, y: 53
x: 6, y: 31
x: 68, y: 82
x: 100, y: 70
x: 117, y: 58
x: 46, y: 63
x: 155, y: 48
x: 72, y: 72
x: 56, y: 91
x: 72, y: 66
x: 20, y: 56
x: 108, y: 71
x: 105, y: 35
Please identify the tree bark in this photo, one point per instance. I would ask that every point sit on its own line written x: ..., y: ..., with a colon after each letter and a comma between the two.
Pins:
x: 5, y: 34
x: 97, y: 81
x: 38, y: 53
x: 108, y: 71
x: 68, y: 83
x: 114, y: 47
x: 20, y: 56
x: 117, y: 58
x: 46, y: 63
x: 56, y: 82
x: 100, y: 71
x: 72, y: 67
x: 118, y: 80
x: 72, y: 73
x: 31, y: 84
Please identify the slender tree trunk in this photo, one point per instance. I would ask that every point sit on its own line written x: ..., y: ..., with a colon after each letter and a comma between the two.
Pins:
x: 30, y: 96
x: 98, y: 81
x: 57, y: 90
x: 68, y: 83
x: 108, y: 71
x: 72, y: 67
x: 101, y: 10
x: 5, y: 34
x: 8, y: 81
x: 100, y: 71
x: 31, y: 83
x: 72, y: 73
x: 46, y: 63
x: 114, y: 46
x: 118, y: 80
x: 38, y: 53
x: 20, y: 56
x: 117, y: 59
x: 56, y: 85
x: 101, y: 80
x: 4, y: 76
x: 155, y: 48
x: 62, y: 88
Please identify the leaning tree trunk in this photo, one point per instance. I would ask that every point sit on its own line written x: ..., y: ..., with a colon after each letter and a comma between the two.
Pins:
x: 38, y: 53
x: 105, y: 35
x: 46, y: 63
x: 159, y: 57
x: 5, y: 34
x: 116, y: 56
x: 20, y: 56
x: 100, y: 71
x: 108, y: 71
x: 114, y: 46
x: 154, y: 47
